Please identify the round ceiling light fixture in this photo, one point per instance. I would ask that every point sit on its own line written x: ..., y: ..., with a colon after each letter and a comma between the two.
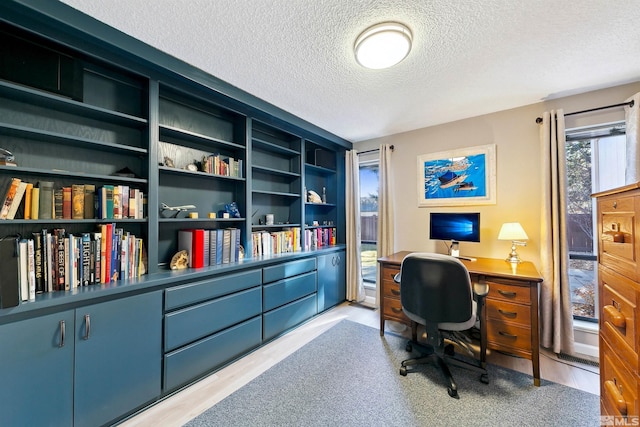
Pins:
x: 383, y: 45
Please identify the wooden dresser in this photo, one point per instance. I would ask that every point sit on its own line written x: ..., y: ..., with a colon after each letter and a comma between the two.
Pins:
x: 511, y: 306
x: 618, y: 296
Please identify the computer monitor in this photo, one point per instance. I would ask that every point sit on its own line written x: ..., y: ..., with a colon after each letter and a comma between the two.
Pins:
x: 456, y: 227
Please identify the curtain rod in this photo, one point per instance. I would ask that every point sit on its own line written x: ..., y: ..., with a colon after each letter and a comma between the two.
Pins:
x: 630, y: 104
x: 374, y: 150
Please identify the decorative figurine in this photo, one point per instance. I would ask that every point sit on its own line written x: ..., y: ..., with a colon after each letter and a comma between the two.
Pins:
x: 177, y: 209
x: 180, y: 260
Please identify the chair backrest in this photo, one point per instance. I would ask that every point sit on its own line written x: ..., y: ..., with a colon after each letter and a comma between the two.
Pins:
x: 436, y: 288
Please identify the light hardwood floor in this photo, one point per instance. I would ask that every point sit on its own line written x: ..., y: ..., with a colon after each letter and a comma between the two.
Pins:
x: 181, y: 407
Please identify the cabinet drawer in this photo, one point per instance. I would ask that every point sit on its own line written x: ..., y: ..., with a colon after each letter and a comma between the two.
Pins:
x: 508, y: 336
x: 288, y: 269
x: 288, y: 316
x: 616, y: 204
x: 618, y: 387
x: 393, y: 309
x: 391, y: 290
x: 387, y: 275
x: 189, y: 324
x: 191, y: 293
x: 508, y: 292
x: 189, y: 362
x: 505, y: 311
x: 287, y: 290
x: 618, y: 312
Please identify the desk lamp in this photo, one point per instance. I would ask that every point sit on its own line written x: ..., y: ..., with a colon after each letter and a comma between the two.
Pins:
x: 513, y: 231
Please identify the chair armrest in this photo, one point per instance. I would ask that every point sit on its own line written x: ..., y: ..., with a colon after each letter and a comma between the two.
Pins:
x: 397, y: 277
x: 481, y: 288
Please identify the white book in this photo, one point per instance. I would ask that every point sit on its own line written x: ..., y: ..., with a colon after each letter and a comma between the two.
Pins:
x: 17, y: 200
x: 31, y: 269
x: 23, y: 262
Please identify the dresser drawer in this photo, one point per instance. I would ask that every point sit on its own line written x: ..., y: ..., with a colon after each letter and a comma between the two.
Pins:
x: 618, y: 387
x: 501, y: 311
x: 508, y: 336
x: 387, y: 275
x: 618, y: 315
x: 393, y: 309
x: 391, y: 290
x: 509, y: 292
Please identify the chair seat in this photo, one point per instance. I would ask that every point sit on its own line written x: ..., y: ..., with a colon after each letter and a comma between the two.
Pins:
x: 447, y: 326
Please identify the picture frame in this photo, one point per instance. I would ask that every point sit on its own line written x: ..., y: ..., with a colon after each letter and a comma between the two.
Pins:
x: 461, y: 177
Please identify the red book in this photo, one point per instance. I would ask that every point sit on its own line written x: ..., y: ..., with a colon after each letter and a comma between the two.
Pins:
x: 66, y: 203
x: 197, y: 249
x: 107, y: 238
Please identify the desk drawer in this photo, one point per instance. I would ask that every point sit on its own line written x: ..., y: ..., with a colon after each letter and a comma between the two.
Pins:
x: 387, y: 275
x: 391, y: 290
x: 393, y: 310
x: 508, y: 336
x: 502, y: 311
x: 509, y: 292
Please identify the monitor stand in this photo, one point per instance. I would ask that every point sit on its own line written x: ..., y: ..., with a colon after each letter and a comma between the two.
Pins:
x: 454, y: 250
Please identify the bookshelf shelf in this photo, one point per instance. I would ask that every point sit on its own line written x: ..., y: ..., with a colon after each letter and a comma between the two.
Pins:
x: 144, y: 113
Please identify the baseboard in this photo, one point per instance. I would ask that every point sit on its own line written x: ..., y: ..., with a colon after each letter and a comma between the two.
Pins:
x: 589, y: 351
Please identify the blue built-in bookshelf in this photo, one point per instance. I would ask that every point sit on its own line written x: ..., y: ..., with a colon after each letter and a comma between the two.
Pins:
x: 101, y: 112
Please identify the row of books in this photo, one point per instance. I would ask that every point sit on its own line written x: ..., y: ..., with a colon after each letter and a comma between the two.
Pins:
x: 26, y: 200
x: 54, y: 260
x: 218, y: 164
x: 266, y: 243
x: 210, y: 247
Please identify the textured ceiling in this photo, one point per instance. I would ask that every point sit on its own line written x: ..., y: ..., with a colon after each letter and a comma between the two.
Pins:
x: 469, y: 57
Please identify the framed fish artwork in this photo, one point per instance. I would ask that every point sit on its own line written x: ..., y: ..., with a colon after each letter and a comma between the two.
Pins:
x: 460, y: 177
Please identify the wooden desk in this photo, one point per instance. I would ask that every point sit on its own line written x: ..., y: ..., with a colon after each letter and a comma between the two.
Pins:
x: 511, y: 306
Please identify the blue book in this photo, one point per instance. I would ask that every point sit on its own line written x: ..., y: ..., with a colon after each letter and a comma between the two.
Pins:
x: 219, y: 236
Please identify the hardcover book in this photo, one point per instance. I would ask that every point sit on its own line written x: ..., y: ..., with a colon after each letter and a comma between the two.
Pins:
x: 35, y: 203
x: 8, y: 200
x: 66, y: 202
x: 17, y: 200
x: 77, y: 197
x: 46, y: 199
x: 58, y: 204
x: 89, y: 201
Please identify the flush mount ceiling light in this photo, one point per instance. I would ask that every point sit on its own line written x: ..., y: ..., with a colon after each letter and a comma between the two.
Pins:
x: 383, y: 45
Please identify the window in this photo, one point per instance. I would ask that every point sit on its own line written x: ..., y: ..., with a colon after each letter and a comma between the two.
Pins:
x: 369, y: 220
x: 595, y: 162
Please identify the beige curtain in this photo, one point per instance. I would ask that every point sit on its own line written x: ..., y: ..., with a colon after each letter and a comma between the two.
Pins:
x: 632, y: 117
x: 355, y: 287
x: 385, y: 209
x: 555, y: 303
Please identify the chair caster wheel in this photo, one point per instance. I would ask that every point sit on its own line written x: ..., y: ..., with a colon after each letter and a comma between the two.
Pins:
x: 453, y: 393
x: 403, y: 371
x: 484, y: 379
x: 409, y: 347
x: 449, y: 350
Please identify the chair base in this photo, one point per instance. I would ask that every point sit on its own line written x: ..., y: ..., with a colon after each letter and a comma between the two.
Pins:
x: 444, y: 355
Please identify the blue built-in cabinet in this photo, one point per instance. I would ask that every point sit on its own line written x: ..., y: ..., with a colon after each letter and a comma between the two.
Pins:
x: 96, y: 354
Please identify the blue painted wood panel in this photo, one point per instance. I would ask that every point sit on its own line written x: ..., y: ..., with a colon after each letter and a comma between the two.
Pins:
x: 288, y: 316
x: 331, y: 280
x: 180, y: 296
x: 187, y: 363
x: 287, y: 290
x: 36, y: 375
x: 118, y: 367
x: 189, y: 324
x: 287, y: 269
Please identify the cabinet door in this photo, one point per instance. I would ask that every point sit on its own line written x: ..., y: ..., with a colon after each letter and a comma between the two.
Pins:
x: 36, y: 371
x: 118, y: 357
x: 331, y: 280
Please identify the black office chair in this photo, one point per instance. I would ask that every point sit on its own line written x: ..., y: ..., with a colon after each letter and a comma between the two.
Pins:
x: 436, y: 291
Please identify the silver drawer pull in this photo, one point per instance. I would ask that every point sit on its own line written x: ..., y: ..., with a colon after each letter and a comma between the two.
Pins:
x: 62, y: 333
x: 87, y: 327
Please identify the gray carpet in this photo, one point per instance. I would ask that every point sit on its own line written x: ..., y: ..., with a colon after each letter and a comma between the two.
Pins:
x: 348, y: 376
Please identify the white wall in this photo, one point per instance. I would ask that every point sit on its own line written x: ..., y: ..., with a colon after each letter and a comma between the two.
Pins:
x: 516, y: 136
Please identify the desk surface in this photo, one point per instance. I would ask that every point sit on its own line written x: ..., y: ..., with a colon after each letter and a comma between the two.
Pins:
x: 489, y: 266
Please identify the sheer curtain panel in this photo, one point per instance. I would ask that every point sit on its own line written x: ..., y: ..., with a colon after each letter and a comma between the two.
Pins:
x: 632, y: 118
x: 385, y: 236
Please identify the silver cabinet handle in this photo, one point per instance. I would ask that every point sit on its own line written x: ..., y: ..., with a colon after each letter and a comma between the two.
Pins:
x: 62, y: 333
x: 87, y: 326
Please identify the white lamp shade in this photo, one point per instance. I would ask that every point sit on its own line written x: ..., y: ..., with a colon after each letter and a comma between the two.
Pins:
x: 383, y: 45
x: 512, y: 231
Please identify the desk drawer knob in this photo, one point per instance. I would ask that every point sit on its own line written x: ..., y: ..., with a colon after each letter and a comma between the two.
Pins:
x: 396, y: 310
x: 509, y: 294
x: 395, y: 291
